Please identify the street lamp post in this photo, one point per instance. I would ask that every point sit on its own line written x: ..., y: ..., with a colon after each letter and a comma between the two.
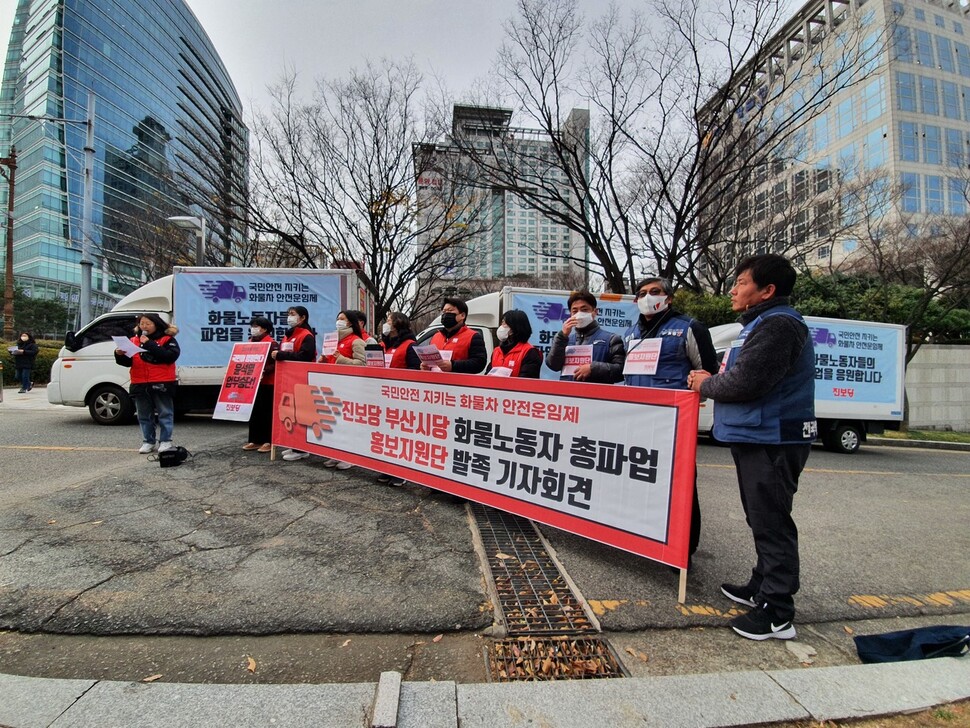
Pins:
x: 189, y: 222
x: 11, y: 164
x: 87, y: 262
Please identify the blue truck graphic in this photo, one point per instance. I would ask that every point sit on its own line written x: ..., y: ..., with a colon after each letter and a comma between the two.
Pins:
x: 217, y: 291
x: 823, y: 336
x: 550, y: 311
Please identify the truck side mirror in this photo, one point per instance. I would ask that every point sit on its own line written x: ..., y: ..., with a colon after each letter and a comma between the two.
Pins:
x: 70, y: 341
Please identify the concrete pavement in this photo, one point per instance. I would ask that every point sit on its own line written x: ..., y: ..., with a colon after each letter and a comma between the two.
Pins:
x: 229, y: 543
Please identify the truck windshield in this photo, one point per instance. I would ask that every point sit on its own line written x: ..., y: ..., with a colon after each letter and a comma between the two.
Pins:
x: 99, y: 331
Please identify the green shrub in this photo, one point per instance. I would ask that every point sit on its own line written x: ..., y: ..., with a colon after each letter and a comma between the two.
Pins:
x: 46, y: 356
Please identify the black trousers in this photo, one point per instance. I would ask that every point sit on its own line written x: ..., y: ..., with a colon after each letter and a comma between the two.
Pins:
x: 261, y: 420
x: 768, y: 479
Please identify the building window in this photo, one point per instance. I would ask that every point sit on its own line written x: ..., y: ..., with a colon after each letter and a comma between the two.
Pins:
x: 963, y: 58
x: 957, y: 194
x: 928, y: 96
x: 849, y: 246
x: 820, y: 130
x: 908, y: 142
x: 945, y: 53
x: 954, y: 148
x: 824, y: 252
x: 934, y: 194
x: 823, y: 177
x: 911, y: 192
x: 932, y: 145
x: 877, y: 148
x: 938, y: 20
x: 847, y: 162
x: 924, y: 49
x: 906, y: 91
x: 951, y: 100
x: 844, y: 118
x: 902, y: 44
x: 957, y: 28
x: 920, y: 14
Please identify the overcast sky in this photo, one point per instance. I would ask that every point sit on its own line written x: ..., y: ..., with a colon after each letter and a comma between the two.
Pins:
x: 258, y: 39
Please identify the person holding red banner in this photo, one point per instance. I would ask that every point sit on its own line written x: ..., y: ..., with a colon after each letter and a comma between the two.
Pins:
x: 397, y: 338
x: 514, y: 352
x: 298, y: 344
x: 261, y: 418
x: 679, y: 345
x: 153, y: 379
x: 351, y: 345
x: 467, y: 346
x: 765, y: 395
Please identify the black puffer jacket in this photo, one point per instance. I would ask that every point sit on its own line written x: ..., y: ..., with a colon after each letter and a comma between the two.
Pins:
x: 26, y: 359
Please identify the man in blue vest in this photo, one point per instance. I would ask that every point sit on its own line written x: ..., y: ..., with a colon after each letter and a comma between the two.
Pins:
x: 684, y: 344
x: 765, y: 395
x: 581, y: 329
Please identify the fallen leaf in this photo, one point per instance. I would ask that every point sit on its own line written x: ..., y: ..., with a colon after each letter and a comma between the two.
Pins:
x: 848, y: 630
x: 251, y: 664
x: 208, y: 513
x: 438, y: 638
x: 643, y: 657
x: 151, y: 678
x: 500, y: 555
x: 554, y: 599
x: 346, y: 642
x: 633, y: 652
x: 547, y: 665
x: 51, y: 522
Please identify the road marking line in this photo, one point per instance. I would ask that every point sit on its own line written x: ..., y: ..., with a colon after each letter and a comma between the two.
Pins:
x: 64, y: 448
x: 853, y: 472
x: 936, y: 599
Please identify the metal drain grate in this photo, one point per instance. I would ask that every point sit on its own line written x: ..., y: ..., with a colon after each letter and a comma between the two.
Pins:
x: 533, y: 596
x: 552, y: 658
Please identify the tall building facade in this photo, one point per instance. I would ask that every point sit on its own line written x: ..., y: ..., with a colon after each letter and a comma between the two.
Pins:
x: 884, y: 146
x: 169, y: 140
x: 512, y: 239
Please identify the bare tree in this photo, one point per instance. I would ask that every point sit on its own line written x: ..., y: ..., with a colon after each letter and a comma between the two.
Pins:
x: 336, y: 181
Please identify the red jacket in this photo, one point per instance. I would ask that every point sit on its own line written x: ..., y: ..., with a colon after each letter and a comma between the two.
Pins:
x: 143, y: 372
x: 457, y: 343
x: 399, y: 355
x: 512, y: 360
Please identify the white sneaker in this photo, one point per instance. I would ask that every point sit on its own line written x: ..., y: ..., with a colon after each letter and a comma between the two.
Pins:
x: 331, y: 463
x: 166, y: 446
x: 344, y: 466
x: 295, y: 455
x: 146, y: 447
x: 287, y: 451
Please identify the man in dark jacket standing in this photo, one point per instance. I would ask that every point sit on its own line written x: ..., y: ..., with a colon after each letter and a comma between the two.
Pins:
x: 581, y: 329
x: 681, y: 344
x: 765, y: 395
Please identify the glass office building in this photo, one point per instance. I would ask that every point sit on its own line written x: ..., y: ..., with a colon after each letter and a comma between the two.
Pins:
x: 168, y: 140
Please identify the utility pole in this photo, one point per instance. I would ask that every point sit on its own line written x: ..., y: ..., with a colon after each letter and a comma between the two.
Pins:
x: 10, y: 175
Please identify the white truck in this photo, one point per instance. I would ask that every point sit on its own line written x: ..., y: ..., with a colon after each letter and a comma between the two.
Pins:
x: 212, y: 308
x: 859, y: 365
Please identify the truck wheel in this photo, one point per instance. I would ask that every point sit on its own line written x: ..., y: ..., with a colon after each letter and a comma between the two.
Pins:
x: 288, y: 424
x: 844, y: 439
x: 110, y: 405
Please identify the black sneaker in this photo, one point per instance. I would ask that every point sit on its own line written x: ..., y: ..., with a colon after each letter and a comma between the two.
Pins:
x: 396, y: 482
x: 760, y: 624
x: 740, y: 594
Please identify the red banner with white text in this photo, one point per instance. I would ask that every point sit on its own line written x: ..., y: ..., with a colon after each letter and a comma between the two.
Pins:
x: 611, y: 463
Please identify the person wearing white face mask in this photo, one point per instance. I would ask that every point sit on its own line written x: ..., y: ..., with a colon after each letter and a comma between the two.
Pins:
x: 298, y: 344
x: 514, y: 351
x: 580, y: 329
x: 684, y: 345
x: 261, y: 418
x: 351, y: 350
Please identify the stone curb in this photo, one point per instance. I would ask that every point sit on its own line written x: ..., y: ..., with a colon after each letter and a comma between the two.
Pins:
x: 925, y: 444
x: 698, y: 701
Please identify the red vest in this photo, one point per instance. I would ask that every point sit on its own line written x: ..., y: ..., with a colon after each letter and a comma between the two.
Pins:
x: 269, y: 369
x: 512, y: 360
x: 458, y: 343
x: 399, y: 355
x: 143, y: 372
x: 299, y: 334
x: 345, y: 347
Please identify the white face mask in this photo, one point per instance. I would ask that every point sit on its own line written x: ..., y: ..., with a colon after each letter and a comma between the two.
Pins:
x: 386, y: 329
x: 255, y: 331
x: 583, y: 319
x: 342, y: 324
x: 650, y: 305
x: 292, y: 321
x: 503, y: 332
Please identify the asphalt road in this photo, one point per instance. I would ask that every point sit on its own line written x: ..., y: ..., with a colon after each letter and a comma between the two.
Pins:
x: 113, y: 567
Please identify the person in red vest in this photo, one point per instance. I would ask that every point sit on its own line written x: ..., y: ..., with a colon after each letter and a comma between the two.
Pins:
x: 153, y: 379
x: 350, y: 341
x: 397, y: 338
x: 467, y: 347
x: 298, y: 344
x: 514, y: 351
x: 261, y: 419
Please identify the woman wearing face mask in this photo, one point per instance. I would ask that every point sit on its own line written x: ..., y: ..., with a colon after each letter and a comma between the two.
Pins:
x: 351, y: 346
x: 397, y: 338
x: 23, y: 359
x: 261, y: 419
x: 514, y: 351
x: 298, y: 344
x: 153, y: 379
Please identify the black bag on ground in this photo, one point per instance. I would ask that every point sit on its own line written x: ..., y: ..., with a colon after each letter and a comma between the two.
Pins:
x: 914, y: 644
x: 173, y: 457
